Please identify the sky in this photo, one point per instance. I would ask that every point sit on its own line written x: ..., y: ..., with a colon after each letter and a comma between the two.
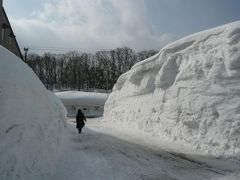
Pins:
x: 91, y: 25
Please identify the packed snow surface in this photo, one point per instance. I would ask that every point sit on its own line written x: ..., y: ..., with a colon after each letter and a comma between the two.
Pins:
x: 106, y: 152
x: 31, y: 122
x: 188, y: 92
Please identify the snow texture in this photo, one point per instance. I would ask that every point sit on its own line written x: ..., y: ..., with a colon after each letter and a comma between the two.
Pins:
x: 188, y: 92
x: 32, y: 122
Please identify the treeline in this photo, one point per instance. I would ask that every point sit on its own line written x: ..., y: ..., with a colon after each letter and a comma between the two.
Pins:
x: 85, y: 71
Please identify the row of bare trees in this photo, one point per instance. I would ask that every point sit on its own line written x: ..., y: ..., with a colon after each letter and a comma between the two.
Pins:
x: 85, y: 71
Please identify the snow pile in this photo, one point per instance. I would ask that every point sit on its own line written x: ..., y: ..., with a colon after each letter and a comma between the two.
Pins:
x: 188, y: 92
x: 32, y: 122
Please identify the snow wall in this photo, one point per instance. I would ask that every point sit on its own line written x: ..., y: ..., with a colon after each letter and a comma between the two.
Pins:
x: 189, y: 92
x: 32, y: 122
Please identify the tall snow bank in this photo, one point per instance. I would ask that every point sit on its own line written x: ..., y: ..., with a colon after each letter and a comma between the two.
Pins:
x: 188, y: 92
x: 32, y: 122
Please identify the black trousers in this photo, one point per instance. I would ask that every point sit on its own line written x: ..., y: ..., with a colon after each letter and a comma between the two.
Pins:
x: 79, y: 127
x: 79, y: 130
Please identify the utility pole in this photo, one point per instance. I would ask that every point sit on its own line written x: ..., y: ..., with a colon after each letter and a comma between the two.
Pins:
x: 26, y: 52
x: 107, y: 81
x: 1, y: 21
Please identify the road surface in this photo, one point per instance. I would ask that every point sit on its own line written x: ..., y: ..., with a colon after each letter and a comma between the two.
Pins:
x: 97, y: 154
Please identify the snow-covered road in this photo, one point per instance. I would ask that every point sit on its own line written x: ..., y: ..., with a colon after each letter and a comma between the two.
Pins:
x: 105, y: 153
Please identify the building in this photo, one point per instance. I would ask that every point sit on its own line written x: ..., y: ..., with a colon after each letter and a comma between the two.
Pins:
x: 91, y: 104
x: 7, y: 37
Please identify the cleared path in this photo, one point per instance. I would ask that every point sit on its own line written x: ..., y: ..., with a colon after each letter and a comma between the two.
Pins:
x: 94, y: 155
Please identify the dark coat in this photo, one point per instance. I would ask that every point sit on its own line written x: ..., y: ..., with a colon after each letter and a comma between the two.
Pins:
x: 80, y: 118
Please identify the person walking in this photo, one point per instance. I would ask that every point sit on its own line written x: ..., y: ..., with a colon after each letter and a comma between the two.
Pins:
x: 80, y: 118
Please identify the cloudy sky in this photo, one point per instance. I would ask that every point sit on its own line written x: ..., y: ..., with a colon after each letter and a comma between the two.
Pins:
x: 90, y: 25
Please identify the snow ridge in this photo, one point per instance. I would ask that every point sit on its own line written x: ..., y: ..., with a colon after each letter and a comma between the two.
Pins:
x: 188, y: 92
x: 32, y: 122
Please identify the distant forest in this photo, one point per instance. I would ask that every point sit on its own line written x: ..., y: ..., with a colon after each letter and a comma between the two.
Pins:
x: 85, y: 71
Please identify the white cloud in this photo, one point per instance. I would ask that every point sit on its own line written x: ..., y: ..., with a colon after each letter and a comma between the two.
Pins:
x: 91, y: 24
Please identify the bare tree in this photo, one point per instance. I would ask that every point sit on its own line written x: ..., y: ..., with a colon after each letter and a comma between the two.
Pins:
x: 85, y: 71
